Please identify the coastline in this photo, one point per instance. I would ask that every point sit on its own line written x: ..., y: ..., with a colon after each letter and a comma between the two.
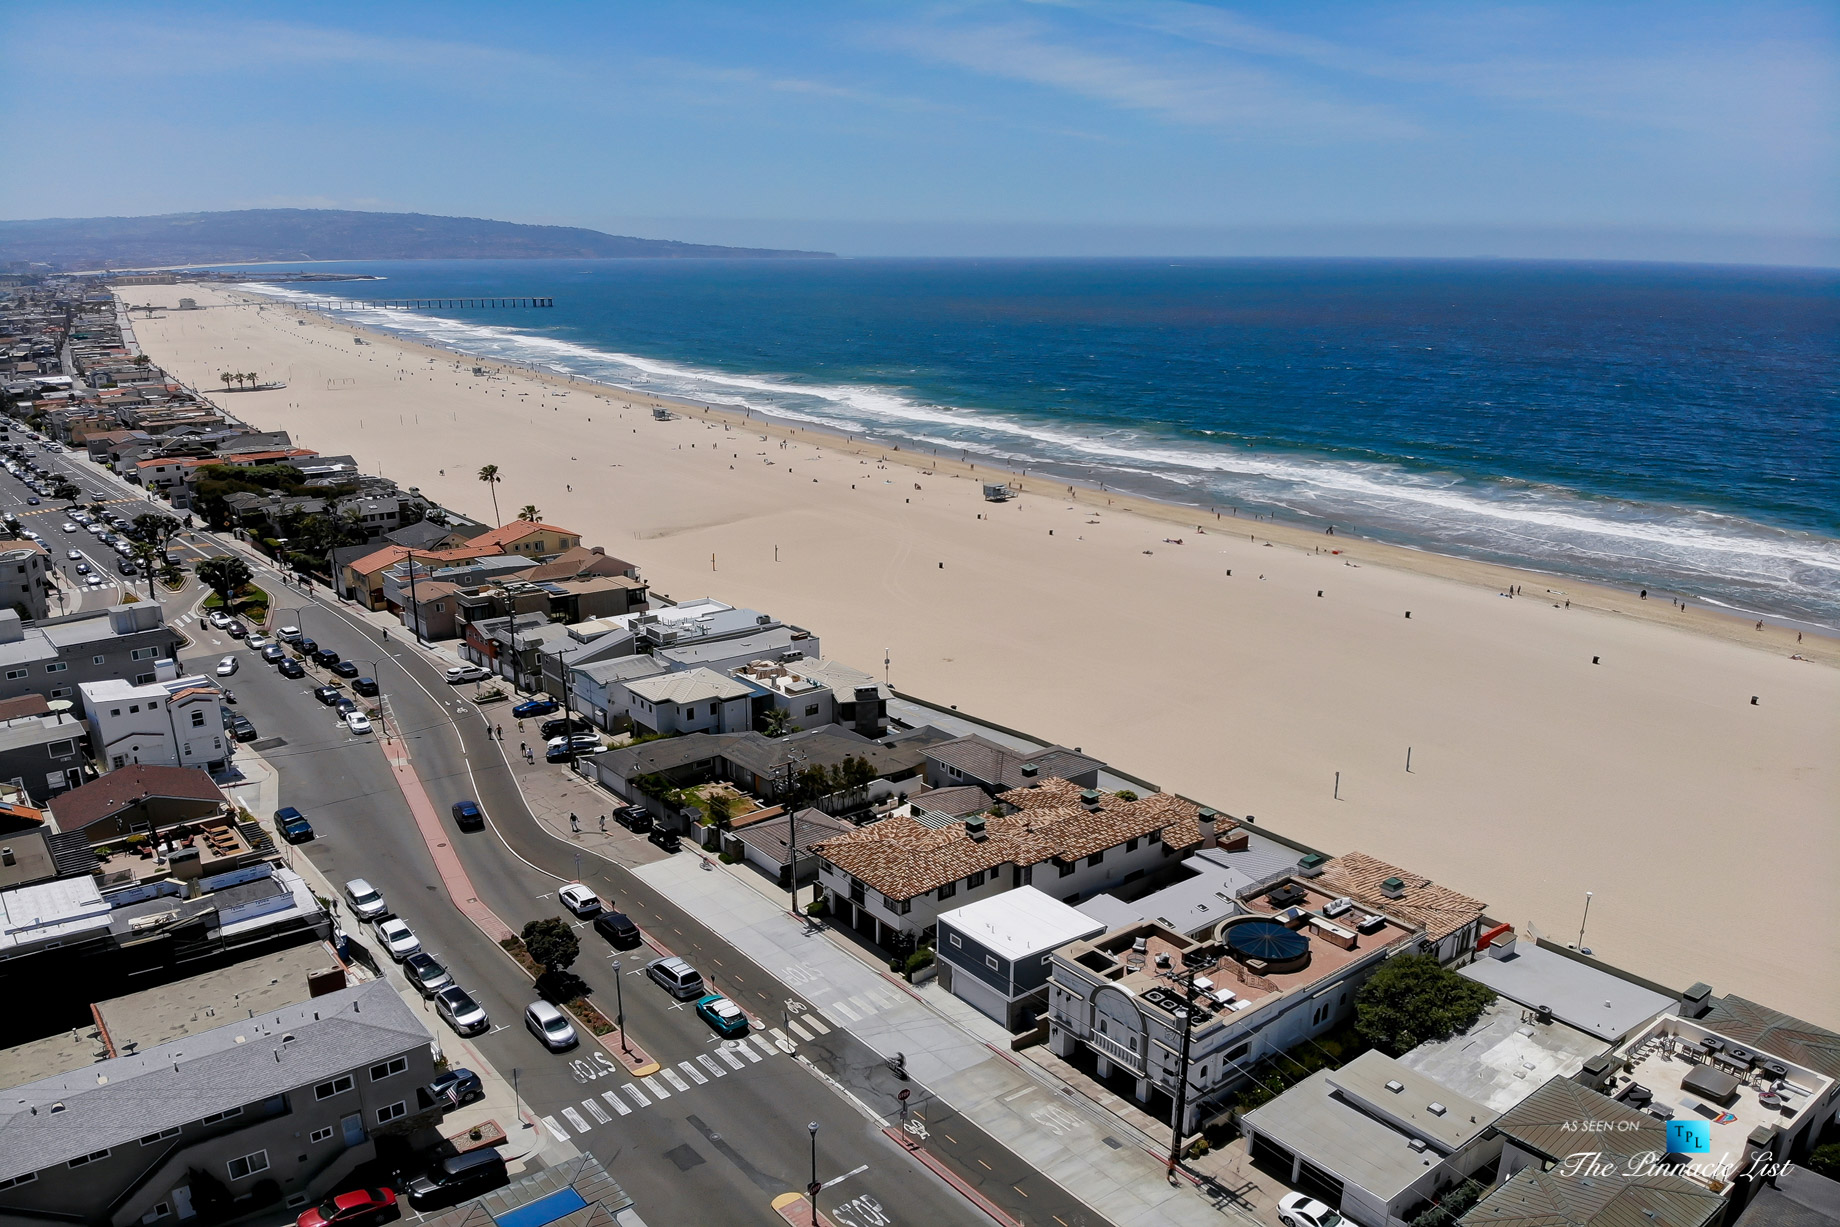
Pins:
x: 1537, y: 774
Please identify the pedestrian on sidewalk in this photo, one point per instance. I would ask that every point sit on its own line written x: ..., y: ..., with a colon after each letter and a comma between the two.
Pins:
x: 603, y: 824
x: 574, y: 824
x: 524, y: 748
x: 501, y: 732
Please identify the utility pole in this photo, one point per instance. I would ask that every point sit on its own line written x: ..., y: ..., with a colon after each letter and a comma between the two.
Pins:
x: 792, y: 829
x: 1188, y: 1033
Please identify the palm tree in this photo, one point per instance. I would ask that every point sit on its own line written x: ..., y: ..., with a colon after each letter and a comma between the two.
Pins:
x: 489, y: 475
x: 253, y: 381
x: 227, y: 377
x: 529, y: 513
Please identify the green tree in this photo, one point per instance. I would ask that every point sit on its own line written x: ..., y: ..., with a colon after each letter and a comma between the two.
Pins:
x: 489, y: 474
x: 225, y: 575
x: 152, y: 527
x: 1825, y: 1160
x: 529, y: 513
x: 551, y: 944
x: 1452, y: 1206
x: 1411, y: 999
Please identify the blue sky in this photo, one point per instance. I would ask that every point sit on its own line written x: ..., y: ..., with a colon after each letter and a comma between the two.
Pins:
x: 1155, y: 127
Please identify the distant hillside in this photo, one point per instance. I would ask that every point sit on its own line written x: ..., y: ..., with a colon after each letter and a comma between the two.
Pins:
x: 251, y: 235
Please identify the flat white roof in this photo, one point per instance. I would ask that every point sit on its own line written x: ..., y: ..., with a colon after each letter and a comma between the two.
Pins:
x: 1021, y: 922
x: 1607, y: 1006
x: 50, y: 910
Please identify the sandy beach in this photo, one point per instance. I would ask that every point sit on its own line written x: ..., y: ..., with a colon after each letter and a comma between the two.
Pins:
x: 1245, y: 666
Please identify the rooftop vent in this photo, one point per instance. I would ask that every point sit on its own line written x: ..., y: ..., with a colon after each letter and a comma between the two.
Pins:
x: 1393, y: 888
x: 974, y: 827
x: 1031, y: 770
x: 1089, y: 797
x: 1437, y: 1109
x: 1395, y: 1086
x: 1416, y: 1145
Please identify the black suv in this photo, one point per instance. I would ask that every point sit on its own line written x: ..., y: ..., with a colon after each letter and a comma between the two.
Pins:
x: 366, y: 686
x: 325, y: 656
x: 619, y: 930
x: 634, y: 818
x: 328, y: 694
x: 665, y: 839
x: 290, y: 668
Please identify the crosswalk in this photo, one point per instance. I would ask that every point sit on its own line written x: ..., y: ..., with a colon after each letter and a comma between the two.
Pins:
x: 680, y: 1079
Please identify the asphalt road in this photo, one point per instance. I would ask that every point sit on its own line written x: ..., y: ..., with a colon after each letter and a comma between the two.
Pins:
x: 48, y: 517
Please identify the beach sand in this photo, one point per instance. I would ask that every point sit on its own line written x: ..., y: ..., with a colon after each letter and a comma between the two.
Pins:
x: 1212, y: 667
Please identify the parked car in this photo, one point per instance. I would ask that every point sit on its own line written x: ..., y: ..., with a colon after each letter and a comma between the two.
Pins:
x: 579, y: 899
x: 576, y: 745
x: 366, y: 686
x: 635, y: 818
x: 357, y: 722
x: 293, y: 825
x: 274, y: 653
x: 534, y: 707
x: 398, y: 939
x: 619, y: 930
x: 665, y: 838
x: 226, y: 666
x: 344, y: 705
x: 305, y: 646
x: 468, y: 816
x: 236, y: 630
x: 242, y: 728
x: 722, y: 1015
x: 466, y: 673
x: 344, y: 668
x: 288, y: 634
x: 457, y: 1087
x: 426, y: 973
x: 561, y: 725
x: 367, y: 902
x: 218, y: 619
x: 550, y: 1025
x: 1302, y: 1210
x: 325, y: 656
x: 458, y: 1177
x: 463, y: 1014
x: 676, y: 977
x: 328, y: 694
x: 290, y: 668
x: 353, y: 1209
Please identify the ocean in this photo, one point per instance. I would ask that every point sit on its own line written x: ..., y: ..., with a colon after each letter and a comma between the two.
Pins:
x: 1669, y: 427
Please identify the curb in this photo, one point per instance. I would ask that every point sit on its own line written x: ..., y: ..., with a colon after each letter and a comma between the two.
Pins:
x: 952, y: 1178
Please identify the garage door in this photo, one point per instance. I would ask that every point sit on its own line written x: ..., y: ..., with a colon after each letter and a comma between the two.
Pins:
x: 1271, y: 1155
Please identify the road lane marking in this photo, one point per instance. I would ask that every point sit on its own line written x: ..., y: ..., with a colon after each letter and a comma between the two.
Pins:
x: 709, y: 1064
x: 760, y: 1042
x: 656, y: 1091
x: 670, y: 1075
x: 779, y: 1037
x: 561, y: 1134
x: 793, y: 1026
x: 696, y: 1075
x: 855, y: 1171
x: 728, y: 1054
x: 861, y: 1002
x: 613, y: 1101
x: 596, y: 1111
x: 637, y: 1095
x: 887, y: 998
x: 849, y: 1015
x: 815, y: 1023
x: 574, y: 1118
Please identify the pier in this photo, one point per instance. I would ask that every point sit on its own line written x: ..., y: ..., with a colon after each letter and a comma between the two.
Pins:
x: 424, y: 304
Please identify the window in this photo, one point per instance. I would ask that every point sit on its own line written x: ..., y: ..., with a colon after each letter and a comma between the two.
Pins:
x: 28, y: 1178
x: 948, y: 890
x: 144, y: 654
x: 990, y: 961
x: 1130, y: 845
x: 58, y: 749
x: 97, y: 660
x: 1047, y: 960
x: 390, y: 1113
x: 114, y: 711
x: 56, y: 666
x: 811, y: 709
x: 955, y: 940
x: 61, y: 692
x: 154, y: 1139
x: 197, y: 719
x: 440, y: 606
x: 338, y: 1086
x: 226, y: 1114
x: 92, y: 1157
x: 1094, y: 859
x: 1066, y: 867
x: 13, y: 675
x: 160, y: 1210
x: 245, y: 1166
x: 321, y: 1135
x: 134, y: 709
x: 389, y: 1068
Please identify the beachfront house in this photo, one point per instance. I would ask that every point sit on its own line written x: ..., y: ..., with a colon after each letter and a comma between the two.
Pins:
x: 689, y: 701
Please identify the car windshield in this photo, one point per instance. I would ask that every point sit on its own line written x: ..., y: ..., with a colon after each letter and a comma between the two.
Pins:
x: 1330, y: 1219
x: 329, y: 1209
x: 458, y: 1001
x: 555, y: 1024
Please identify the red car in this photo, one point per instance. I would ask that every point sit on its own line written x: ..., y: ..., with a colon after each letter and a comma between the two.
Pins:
x: 357, y: 1206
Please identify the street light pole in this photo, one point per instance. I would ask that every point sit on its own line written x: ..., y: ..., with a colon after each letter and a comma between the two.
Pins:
x: 619, y: 1015
x: 1581, y: 923
x: 812, y: 1188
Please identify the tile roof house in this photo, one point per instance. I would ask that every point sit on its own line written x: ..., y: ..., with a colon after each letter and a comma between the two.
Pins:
x: 1060, y: 838
x: 1452, y: 922
x: 361, y: 578
x: 531, y: 538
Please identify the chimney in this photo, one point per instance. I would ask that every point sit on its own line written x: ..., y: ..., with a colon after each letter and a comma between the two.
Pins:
x: 974, y: 827
x: 1501, y: 946
x: 1089, y: 797
x: 7, y: 857
x: 1393, y: 888
x: 1030, y: 770
x: 1206, y: 820
x: 1696, y: 1002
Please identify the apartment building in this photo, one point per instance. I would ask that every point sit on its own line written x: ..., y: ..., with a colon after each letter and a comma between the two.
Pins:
x: 25, y: 579
x: 56, y: 656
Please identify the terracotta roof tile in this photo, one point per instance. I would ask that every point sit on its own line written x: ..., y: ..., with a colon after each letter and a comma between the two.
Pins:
x: 1441, y: 911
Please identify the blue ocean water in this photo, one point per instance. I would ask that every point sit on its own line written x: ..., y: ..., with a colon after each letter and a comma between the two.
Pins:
x: 1676, y: 428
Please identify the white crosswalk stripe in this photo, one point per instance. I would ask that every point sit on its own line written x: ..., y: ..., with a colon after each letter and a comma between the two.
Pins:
x: 696, y: 1075
x: 861, y: 1002
x: 761, y: 1042
x: 653, y: 1089
x: 574, y: 1118
x: 613, y: 1101
x: 708, y: 1063
x: 560, y: 1134
x: 746, y: 1050
x: 670, y: 1075
x: 779, y: 1036
x: 884, y: 997
x: 596, y: 1111
x: 849, y: 1015
x: 638, y: 1096
x: 799, y: 1031
x: 816, y: 1023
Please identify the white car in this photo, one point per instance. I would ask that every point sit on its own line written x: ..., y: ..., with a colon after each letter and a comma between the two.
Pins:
x: 357, y: 722
x: 1297, y: 1210
x: 76, y: 555
x: 288, y: 634
x: 366, y: 900
x: 29, y: 535
x: 69, y: 527
x: 550, y: 1025
x: 218, y: 620
x: 226, y: 666
x: 579, y: 899
x: 397, y: 938
x: 466, y: 673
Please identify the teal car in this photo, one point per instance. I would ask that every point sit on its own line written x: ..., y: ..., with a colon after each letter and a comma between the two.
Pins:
x: 723, y: 1015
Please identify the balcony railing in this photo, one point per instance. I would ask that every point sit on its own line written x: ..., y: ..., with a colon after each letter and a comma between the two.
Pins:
x: 1117, y: 1053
